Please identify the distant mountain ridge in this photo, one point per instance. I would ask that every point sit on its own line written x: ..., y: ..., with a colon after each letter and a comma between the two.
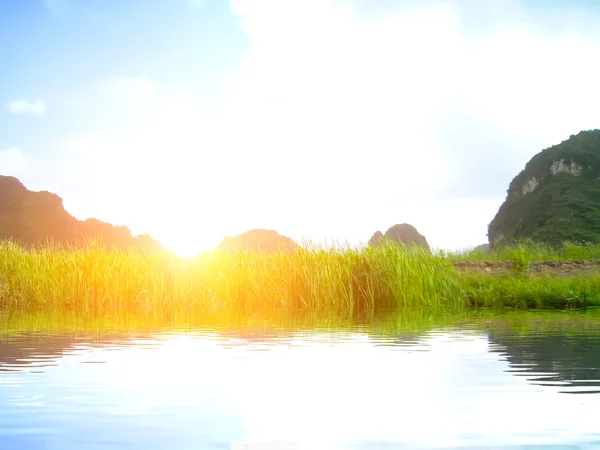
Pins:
x: 401, y: 234
x: 257, y: 239
x: 556, y: 197
x: 36, y: 218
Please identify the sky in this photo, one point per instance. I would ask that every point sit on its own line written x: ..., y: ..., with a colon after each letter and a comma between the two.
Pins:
x: 325, y: 120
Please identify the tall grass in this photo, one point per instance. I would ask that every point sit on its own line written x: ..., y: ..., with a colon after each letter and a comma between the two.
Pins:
x: 540, y: 292
x: 533, y: 251
x: 521, y: 289
x: 348, y: 282
x: 344, y: 282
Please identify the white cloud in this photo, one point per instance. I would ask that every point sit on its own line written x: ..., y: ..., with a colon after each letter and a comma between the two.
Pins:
x: 155, y: 172
x: 24, y: 107
x: 371, y: 97
x: 13, y: 162
x: 337, y: 125
x: 135, y: 89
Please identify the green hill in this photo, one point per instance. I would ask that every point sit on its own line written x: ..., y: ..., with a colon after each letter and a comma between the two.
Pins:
x: 403, y: 233
x: 556, y: 198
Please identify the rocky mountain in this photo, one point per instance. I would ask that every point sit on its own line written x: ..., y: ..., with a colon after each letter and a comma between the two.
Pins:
x: 483, y: 248
x: 257, y: 240
x: 36, y: 218
x: 556, y: 198
x: 401, y: 233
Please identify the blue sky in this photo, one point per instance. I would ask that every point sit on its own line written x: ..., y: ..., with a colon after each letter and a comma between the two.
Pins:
x: 323, y: 119
x: 59, y: 50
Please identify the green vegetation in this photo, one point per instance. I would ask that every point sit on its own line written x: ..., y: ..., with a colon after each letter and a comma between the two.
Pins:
x: 556, y: 198
x: 540, y: 292
x: 344, y: 281
x: 220, y: 286
x: 522, y: 290
x: 530, y: 251
x: 401, y: 234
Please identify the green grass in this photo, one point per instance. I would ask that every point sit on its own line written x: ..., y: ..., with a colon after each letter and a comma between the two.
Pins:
x: 340, y: 282
x: 344, y: 281
x: 532, y: 251
x: 539, y: 292
x: 521, y: 290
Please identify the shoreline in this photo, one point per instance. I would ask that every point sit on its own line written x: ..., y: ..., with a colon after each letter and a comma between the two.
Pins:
x: 344, y: 282
x: 556, y: 268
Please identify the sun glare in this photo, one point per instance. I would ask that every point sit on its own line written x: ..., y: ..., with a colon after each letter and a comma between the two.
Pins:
x: 188, y: 245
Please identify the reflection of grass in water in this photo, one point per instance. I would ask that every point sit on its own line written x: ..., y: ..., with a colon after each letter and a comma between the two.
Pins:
x: 413, y: 321
x: 520, y: 322
x: 68, y: 321
x: 546, y: 322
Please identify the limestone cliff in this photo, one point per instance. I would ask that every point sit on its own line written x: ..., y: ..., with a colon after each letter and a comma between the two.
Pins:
x: 400, y: 233
x: 556, y: 197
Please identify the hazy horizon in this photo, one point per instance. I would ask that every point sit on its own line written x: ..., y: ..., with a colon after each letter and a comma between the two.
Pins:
x: 320, y: 119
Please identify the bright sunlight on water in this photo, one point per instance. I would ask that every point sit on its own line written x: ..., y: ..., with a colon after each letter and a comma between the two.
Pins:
x: 467, y: 386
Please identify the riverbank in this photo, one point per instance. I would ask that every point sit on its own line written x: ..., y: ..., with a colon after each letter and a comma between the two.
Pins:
x: 582, y: 321
x: 342, y: 282
x: 555, y: 268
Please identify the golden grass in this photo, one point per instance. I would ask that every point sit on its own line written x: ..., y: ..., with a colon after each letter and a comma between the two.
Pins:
x: 343, y: 282
x: 348, y: 282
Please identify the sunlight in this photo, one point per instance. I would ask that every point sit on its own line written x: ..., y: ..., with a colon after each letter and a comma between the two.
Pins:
x: 189, y: 246
x: 248, y: 222
x: 186, y: 240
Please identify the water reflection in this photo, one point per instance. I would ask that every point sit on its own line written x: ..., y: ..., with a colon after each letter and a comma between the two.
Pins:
x: 568, y: 360
x: 31, y: 351
x: 459, y: 387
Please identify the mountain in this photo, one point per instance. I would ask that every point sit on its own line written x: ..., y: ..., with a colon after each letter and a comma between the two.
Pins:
x: 400, y: 233
x: 483, y: 248
x: 257, y: 240
x: 31, y: 217
x: 556, y: 198
x: 35, y: 218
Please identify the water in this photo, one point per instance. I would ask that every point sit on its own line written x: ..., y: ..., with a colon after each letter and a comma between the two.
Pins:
x: 504, y: 383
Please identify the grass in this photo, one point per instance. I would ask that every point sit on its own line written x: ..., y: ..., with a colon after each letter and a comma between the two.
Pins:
x: 532, y: 251
x: 346, y: 282
x: 522, y: 292
x: 341, y: 282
